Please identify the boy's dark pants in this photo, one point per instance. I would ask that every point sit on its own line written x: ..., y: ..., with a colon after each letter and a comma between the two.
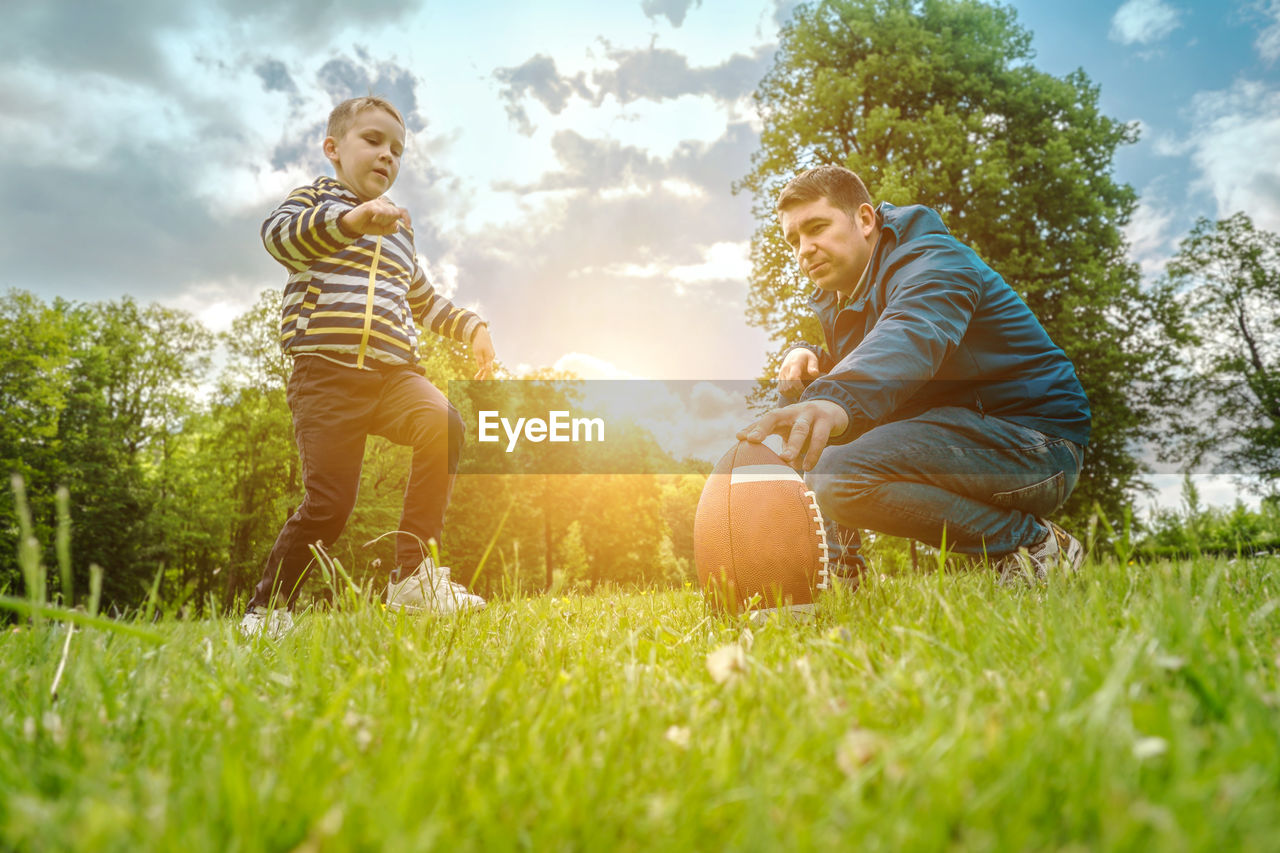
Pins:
x: 334, y: 409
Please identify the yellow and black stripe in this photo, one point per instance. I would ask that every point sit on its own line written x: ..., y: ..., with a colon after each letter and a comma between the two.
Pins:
x: 349, y: 297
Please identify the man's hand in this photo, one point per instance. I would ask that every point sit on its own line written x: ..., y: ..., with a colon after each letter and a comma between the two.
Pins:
x: 798, y: 369
x: 482, y: 349
x: 374, y: 217
x: 811, y: 423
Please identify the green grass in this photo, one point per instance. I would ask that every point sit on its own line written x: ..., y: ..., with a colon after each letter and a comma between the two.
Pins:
x: 1127, y: 708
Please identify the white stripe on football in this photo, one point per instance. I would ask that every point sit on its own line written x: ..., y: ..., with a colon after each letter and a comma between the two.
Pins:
x: 763, y: 474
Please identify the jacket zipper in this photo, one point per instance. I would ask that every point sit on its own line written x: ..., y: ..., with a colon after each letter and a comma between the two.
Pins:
x: 368, y: 303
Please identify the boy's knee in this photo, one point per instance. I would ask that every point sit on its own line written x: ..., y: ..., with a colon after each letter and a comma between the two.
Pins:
x: 437, y: 428
x: 457, y: 430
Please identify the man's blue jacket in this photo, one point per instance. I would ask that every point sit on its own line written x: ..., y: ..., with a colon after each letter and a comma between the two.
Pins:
x: 935, y: 326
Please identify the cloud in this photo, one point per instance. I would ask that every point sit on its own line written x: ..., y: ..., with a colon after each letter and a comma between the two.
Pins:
x: 1230, y: 127
x: 131, y: 41
x: 596, y: 165
x: 1143, y: 21
x: 94, y: 37
x: 652, y: 73
x: 307, y: 21
x: 591, y: 164
x: 537, y: 77
x: 674, y: 10
x: 658, y: 74
x: 1268, y: 42
x: 343, y: 77
x: 1150, y: 236
x: 161, y: 194
x: 135, y: 226
x: 338, y: 78
x: 275, y: 77
x: 616, y: 259
x: 783, y: 10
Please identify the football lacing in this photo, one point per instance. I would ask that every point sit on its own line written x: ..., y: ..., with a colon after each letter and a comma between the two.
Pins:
x: 824, y: 573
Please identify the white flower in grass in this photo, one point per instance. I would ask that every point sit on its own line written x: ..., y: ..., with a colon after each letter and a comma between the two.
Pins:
x: 1150, y: 747
x: 678, y: 735
x: 726, y: 663
x: 856, y: 749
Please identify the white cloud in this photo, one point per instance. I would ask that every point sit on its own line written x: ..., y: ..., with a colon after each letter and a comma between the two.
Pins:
x: 721, y: 261
x: 1231, y: 130
x: 1150, y: 234
x: 215, y: 303
x: 1143, y: 21
x: 1215, y: 490
x: 1268, y: 42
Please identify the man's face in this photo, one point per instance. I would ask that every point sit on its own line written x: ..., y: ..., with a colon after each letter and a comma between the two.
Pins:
x: 367, y: 157
x: 831, y: 248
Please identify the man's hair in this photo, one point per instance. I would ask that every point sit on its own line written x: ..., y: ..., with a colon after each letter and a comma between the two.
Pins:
x: 345, y: 113
x: 844, y: 189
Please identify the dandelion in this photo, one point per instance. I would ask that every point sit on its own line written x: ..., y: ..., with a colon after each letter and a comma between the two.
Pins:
x: 726, y: 663
x: 856, y: 749
x: 1150, y: 747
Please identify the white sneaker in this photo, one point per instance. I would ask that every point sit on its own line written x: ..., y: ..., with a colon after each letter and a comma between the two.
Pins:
x: 257, y: 621
x: 430, y: 590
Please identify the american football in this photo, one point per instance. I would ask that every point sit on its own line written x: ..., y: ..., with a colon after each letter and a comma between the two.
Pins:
x: 758, y: 537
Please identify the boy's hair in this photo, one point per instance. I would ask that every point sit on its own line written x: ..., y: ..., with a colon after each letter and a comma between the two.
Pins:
x: 345, y: 113
x: 844, y: 189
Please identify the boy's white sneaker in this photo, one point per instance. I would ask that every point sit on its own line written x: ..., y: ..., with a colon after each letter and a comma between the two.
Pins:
x: 275, y: 624
x: 429, y: 590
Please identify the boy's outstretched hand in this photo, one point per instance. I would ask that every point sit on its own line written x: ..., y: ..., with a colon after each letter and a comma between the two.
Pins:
x: 482, y: 349
x: 376, y: 216
x: 810, y: 423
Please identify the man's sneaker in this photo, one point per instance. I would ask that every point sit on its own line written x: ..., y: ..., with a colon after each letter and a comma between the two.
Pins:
x: 429, y: 590
x: 1058, y: 552
x: 257, y: 620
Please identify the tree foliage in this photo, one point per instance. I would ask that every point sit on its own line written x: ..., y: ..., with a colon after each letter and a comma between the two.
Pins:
x: 1227, y: 276
x: 936, y: 102
x: 95, y: 397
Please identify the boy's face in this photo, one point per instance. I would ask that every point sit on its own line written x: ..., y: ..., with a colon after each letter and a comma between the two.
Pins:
x: 831, y: 248
x: 367, y: 157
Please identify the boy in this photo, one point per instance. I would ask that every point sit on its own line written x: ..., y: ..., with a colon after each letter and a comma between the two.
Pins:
x: 355, y: 290
x: 939, y: 408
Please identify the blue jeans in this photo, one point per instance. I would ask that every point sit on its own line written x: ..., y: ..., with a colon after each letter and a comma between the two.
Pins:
x: 982, y: 482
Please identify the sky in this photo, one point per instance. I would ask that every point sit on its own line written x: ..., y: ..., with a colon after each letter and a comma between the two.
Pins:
x: 570, y: 165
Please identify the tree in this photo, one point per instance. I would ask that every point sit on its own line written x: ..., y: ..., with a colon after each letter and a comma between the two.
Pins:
x: 247, y: 438
x: 34, y: 383
x: 134, y: 374
x: 1227, y: 274
x: 936, y: 102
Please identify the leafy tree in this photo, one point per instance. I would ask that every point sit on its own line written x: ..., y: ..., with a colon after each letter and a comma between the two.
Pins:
x: 936, y: 102
x: 134, y: 374
x: 34, y: 383
x: 1228, y: 276
x: 95, y: 397
x: 247, y: 439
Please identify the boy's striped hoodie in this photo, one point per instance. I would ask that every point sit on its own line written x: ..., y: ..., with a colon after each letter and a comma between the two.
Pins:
x: 353, y: 298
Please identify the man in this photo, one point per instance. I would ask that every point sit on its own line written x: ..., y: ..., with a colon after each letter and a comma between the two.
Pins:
x: 939, y: 409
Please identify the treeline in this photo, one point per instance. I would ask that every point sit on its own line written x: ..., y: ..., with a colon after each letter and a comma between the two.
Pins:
x: 181, y: 471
